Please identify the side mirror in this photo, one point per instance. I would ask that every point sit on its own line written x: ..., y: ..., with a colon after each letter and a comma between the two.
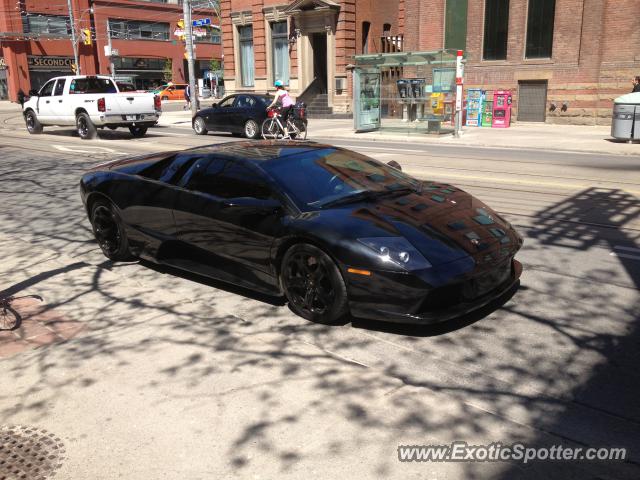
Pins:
x: 394, y: 164
x: 214, y: 105
x: 33, y: 93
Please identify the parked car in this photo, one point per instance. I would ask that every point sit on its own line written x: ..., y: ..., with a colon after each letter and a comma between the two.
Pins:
x: 90, y: 102
x: 174, y: 91
x: 240, y: 114
x: 332, y: 230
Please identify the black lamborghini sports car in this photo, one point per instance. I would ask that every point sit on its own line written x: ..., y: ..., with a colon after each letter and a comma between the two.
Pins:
x: 334, y: 231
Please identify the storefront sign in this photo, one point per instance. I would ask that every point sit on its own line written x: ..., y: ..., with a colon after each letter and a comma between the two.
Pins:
x: 50, y: 63
x: 3, y: 63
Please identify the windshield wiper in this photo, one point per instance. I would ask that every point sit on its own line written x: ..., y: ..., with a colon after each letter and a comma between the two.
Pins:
x: 366, y: 195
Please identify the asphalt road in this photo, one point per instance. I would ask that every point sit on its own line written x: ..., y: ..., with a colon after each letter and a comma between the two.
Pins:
x: 555, y: 362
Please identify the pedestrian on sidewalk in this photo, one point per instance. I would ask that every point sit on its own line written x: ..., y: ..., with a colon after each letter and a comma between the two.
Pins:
x: 21, y: 97
x: 636, y: 84
x: 187, y: 97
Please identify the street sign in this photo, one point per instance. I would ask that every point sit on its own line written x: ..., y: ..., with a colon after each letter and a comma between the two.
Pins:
x: 202, y: 22
x: 197, y: 32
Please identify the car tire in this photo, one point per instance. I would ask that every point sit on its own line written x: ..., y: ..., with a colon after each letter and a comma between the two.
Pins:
x: 138, y: 132
x: 313, y: 285
x: 109, y: 231
x: 251, y: 129
x: 199, y: 126
x: 34, y: 127
x: 85, y: 127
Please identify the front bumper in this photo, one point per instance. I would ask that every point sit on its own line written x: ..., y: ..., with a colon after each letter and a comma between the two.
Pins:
x: 406, y: 304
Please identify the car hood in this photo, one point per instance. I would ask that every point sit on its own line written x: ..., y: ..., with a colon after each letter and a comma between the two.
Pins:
x: 443, y: 222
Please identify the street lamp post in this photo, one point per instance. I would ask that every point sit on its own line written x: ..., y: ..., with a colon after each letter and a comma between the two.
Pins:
x: 73, y: 37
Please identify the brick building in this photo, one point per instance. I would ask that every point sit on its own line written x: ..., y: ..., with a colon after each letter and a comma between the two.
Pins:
x: 35, y: 41
x: 564, y: 60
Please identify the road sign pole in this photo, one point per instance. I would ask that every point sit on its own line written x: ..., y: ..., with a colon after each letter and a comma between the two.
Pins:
x: 74, y: 39
x: 188, y: 27
x: 112, y: 63
x: 459, y: 93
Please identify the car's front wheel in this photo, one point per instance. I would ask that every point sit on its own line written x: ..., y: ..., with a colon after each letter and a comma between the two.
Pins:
x: 251, y: 129
x: 33, y: 125
x: 313, y: 285
x: 86, y: 128
x: 109, y: 231
x: 199, y: 126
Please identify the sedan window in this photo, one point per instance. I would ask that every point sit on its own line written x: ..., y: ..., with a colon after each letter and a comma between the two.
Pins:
x: 245, y: 101
x: 227, y: 102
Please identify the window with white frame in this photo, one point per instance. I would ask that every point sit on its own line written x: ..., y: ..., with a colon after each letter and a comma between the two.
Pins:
x: 247, y: 67
x: 280, y: 52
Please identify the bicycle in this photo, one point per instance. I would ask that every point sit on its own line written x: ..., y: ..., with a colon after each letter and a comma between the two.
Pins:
x: 9, y: 318
x: 272, y: 128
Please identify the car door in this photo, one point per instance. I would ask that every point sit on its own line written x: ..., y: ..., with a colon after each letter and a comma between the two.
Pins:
x: 218, y: 119
x: 44, y: 105
x: 228, y: 214
x: 62, y: 113
x: 241, y: 111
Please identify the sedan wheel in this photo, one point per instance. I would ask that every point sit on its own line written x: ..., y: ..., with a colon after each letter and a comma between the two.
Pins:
x: 313, y: 284
x: 109, y: 231
x: 199, y: 126
x: 251, y: 129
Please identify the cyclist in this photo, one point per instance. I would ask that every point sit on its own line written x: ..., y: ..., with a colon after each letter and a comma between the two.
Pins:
x: 284, y: 100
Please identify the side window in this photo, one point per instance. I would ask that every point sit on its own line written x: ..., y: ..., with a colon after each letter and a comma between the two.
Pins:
x: 47, y: 90
x: 228, y: 179
x: 228, y: 102
x: 245, y: 101
x: 59, y: 87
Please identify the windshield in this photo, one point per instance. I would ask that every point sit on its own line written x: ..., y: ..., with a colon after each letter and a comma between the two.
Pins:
x: 330, y: 176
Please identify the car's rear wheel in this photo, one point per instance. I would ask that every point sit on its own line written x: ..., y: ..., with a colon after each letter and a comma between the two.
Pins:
x: 33, y: 125
x: 86, y: 128
x: 138, y: 132
x: 199, y: 126
x: 109, y: 231
x: 313, y: 284
x: 251, y: 129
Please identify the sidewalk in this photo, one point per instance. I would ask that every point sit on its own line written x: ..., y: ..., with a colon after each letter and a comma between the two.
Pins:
x: 538, y: 136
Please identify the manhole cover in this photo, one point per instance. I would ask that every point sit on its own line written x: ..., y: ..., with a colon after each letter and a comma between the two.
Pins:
x: 28, y: 453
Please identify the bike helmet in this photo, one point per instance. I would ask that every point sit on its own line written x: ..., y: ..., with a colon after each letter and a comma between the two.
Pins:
x: 278, y: 83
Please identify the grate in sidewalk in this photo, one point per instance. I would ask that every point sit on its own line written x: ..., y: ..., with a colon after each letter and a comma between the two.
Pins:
x: 28, y: 453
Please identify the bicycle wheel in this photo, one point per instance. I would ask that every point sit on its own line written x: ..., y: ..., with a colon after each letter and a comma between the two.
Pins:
x: 299, y: 129
x: 9, y: 319
x: 271, y: 129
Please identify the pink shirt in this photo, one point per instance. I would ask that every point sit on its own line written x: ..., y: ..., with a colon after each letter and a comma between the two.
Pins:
x: 285, y: 98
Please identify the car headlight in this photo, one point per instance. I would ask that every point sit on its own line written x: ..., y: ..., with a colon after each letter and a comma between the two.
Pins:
x: 397, y: 250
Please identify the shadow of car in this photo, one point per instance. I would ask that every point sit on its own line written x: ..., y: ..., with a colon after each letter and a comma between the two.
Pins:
x: 240, y: 114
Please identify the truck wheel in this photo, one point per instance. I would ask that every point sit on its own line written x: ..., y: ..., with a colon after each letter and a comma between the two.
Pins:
x: 86, y: 128
x: 138, y: 132
x: 33, y: 125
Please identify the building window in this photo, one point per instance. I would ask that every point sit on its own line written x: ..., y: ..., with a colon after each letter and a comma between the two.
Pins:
x: 386, y: 30
x: 46, y: 24
x: 496, y: 29
x: 245, y: 34
x: 540, y: 28
x: 455, y: 30
x: 280, y: 51
x: 366, y: 26
x: 134, y: 30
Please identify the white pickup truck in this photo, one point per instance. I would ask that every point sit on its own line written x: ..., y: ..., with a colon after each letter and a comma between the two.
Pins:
x: 90, y: 102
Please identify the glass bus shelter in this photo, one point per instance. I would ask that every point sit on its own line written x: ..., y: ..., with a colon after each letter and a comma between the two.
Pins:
x: 410, y: 92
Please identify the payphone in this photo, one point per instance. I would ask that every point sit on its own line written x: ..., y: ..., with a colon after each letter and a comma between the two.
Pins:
x: 501, y: 109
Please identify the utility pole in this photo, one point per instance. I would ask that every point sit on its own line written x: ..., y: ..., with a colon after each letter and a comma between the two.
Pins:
x: 73, y: 37
x: 112, y: 64
x: 459, y: 93
x: 188, y: 30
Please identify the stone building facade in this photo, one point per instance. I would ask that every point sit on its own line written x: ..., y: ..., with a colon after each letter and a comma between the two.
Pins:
x: 564, y: 60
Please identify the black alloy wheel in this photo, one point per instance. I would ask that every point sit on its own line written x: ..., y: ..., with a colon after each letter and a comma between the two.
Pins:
x: 109, y: 231
x: 86, y: 128
x: 33, y: 125
x: 313, y: 284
